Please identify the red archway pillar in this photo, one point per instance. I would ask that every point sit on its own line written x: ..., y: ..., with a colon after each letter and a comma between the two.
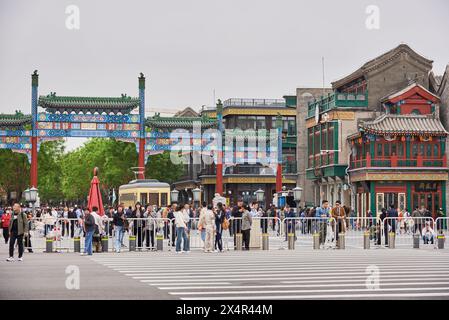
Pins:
x: 279, y: 178
x: 142, y: 158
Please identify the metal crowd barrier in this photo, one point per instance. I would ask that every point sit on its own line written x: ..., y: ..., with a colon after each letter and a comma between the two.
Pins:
x: 359, y: 230
x: 303, y: 230
x: 393, y: 235
x: 267, y: 233
x: 145, y: 233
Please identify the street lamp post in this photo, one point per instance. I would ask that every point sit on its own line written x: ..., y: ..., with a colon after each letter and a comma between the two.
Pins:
x: 297, y: 192
x: 259, y: 197
x: 174, y: 195
x: 31, y: 197
x: 196, y: 197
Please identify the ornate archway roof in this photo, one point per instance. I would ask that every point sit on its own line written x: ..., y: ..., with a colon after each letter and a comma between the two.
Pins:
x: 14, y: 120
x: 411, y: 124
x: 53, y: 103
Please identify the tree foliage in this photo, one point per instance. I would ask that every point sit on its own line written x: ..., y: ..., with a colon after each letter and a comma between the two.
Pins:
x: 14, y: 172
x: 67, y: 176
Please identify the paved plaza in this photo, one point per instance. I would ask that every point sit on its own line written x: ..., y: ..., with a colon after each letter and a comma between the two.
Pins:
x: 275, y: 274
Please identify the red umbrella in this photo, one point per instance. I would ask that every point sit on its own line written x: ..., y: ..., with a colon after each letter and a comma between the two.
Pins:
x: 95, y: 199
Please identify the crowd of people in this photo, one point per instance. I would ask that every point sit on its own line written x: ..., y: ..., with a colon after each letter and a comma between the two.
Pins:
x: 176, y: 222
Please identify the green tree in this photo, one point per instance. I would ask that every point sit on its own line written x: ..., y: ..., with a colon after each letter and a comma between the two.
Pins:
x: 14, y: 172
x: 50, y: 158
x: 161, y: 167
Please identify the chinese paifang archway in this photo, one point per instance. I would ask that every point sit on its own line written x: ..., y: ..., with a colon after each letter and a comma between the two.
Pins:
x: 121, y: 118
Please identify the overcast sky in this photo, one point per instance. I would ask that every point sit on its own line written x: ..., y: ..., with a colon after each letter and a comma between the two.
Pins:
x: 188, y: 48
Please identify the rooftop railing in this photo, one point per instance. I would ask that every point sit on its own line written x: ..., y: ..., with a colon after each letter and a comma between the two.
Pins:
x: 338, y: 99
x: 237, y: 102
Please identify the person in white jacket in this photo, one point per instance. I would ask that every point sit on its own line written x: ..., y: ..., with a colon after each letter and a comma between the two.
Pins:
x: 181, y: 231
x: 207, y: 222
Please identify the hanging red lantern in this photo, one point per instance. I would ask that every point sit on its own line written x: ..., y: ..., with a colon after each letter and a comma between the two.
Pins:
x: 403, y: 138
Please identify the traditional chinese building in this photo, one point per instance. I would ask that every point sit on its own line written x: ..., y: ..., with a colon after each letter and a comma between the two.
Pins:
x: 400, y: 157
x: 185, y: 120
x: 244, y: 178
x: 394, y: 91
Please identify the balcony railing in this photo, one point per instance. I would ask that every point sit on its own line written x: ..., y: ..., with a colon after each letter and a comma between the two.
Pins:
x: 395, y: 161
x: 322, y: 160
x: 338, y: 99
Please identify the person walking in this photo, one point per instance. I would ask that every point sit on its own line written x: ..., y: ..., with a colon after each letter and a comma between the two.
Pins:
x: 18, y: 227
x: 72, y: 221
x: 138, y: 224
x: 65, y: 225
x: 247, y: 221
x: 339, y: 215
x: 187, y: 214
x: 237, y: 213
x: 220, y: 217
x: 6, y: 217
x: 171, y: 217
x: 89, y: 229
x: 27, y: 238
x: 181, y: 231
x: 393, y: 216
x: 417, y: 220
x: 207, y: 221
x: 323, y: 214
x: 151, y: 227
x: 201, y: 228
x: 118, y: 221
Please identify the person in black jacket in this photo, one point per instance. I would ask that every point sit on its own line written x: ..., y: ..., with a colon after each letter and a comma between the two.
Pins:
x: 220, y: 216
x: 237, y: 213
x: 392, y: 213
x: 171, y: 216
x: 118, y: 221
x: 138, y: 224
x: 382, y: 224
x: 72, y: 221
x: 89, y: 228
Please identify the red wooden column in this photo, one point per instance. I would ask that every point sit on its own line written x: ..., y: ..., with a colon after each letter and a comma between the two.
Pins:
x: 142, y: 158
x: 219, y: 164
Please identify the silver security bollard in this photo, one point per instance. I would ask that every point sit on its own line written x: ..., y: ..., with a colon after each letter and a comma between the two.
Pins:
x: 366, y: 240
x: 416, y: 240
x: 341, y: 241
x: 441, y: 239
x: 316, y: 241
x: 291, y: 241
x: 265, y: 241
x: 49, y: 245
x: 238, y: 241
x: 160, y: 242
x: 105, y: 244
x: 77, y: 244
x: 132, y: 243
x: 391, y: 240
